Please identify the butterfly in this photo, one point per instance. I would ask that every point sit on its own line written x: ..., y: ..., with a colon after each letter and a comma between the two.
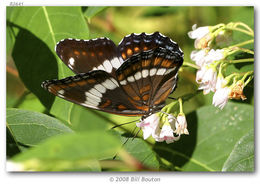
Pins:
x: 132, y: 79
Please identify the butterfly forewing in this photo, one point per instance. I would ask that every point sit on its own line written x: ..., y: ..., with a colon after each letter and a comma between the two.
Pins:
x: 97, y: 89
x: 83, y: 56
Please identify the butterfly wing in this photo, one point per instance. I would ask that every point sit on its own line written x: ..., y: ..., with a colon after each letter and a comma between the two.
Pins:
x: 137, y: 43
x: 83, y: 56
x: 149, y: 77
x: 97, y: 90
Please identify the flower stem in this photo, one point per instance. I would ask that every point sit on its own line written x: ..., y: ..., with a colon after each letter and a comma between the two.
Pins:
x: 248, y: 60
x: 241, y: 30
x: 180, y: 104
x: 188, y: 64
x: 245, y: 26
x: 243, y: 43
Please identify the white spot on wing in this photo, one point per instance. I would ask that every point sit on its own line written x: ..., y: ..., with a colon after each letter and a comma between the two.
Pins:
x: 115, y: 63
x: 161, y: 71
x: 107, y: 66
x: 153, y: 71
x: 100, y: 67
x: 138, y: 75
x: 71, y: 61
x: 114, y: 81
x: 130, y: 79
x: 92, y: 97
x: 124, y: 82
x: 95, y: 92
x: 145, y: 73
x: 169, y: 71
x: 100, y: 88
x: 61, y: 91
x: 91, y: 102
x: 109, y: 84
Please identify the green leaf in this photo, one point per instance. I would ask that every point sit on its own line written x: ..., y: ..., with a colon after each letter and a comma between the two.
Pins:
x: 30, y: 128
x: 213, y: 135
x: 242, y: 156
x: 40, y: 28
x: 75, y: 146
x: 93, y: 10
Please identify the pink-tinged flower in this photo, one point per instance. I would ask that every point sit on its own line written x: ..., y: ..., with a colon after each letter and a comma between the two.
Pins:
x: 181, y: 125
x: 199, y: 56
x: 202, y: 36
x: 149, y: 125
x: 207, y: 78
x: 214, y: 55
x: 221, y: 97
x: 166, y: 134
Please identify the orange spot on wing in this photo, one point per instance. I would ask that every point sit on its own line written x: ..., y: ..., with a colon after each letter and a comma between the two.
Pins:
x: 136, y: 49
x: 145, y: 48
x: 146, y: 97
x: 146, y: 63
x: 100, y: 53
x: 76, y: 52
x: 157, y: 61
x: 123, y: 55
x: 163, y: 97
x: 106, y: 104
x: 92, y: 54
x: 129, y: 52
x: 166, y: 63
x: 121, y: 107
x: 91, y: 81
x: 84, y: 53
x: 121, y: 77
x: 145, y: 89
x: 136, y: 98
x: 81, y: 83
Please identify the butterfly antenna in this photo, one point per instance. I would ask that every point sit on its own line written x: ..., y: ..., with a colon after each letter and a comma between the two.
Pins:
x: 124, y: 142
x: 136, y: 134
x: 172, y: 98
x: 124, y: 123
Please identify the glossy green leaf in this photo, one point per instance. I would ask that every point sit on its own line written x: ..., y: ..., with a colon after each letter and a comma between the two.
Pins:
x: 76, y: 146
x: 30, y: 128
x: 40, y: 28
x: 242, y: 156
x: 213, y: 135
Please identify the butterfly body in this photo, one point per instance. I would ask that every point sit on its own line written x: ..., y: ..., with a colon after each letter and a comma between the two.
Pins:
x: 133, y: 78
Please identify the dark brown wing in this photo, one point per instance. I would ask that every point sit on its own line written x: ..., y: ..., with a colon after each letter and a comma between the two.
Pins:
x: 136, y: 43
x: 83, y: 56
x: 97, y: 90
x: 149, y: 77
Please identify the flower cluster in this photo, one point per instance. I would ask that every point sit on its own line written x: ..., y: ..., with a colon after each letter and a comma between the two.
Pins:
x: 212, y: 61
x: 164, y: 131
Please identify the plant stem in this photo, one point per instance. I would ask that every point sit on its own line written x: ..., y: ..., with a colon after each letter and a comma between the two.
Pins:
x: 243, y: 43
x: 245, y: 26
x: 180, y: 104
x: 191, y: 65
x: 248, y: 60
x: 241, y: 30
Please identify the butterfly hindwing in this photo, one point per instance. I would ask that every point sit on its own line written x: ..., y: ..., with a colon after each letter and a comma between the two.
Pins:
x: 137, y: 43
x: 143, y: 75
